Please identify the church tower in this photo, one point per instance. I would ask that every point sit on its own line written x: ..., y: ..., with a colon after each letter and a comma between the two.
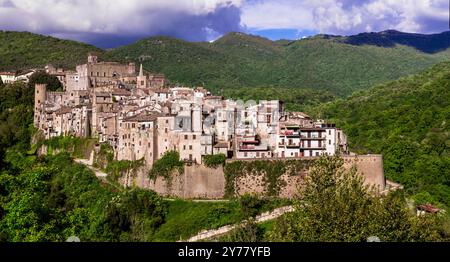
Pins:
x: 141, y: 79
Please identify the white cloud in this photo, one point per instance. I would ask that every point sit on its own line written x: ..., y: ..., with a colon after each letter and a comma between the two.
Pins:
x: 348, y: 16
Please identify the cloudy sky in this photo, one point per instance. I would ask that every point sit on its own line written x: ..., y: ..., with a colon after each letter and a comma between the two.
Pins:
x: 110, y: 23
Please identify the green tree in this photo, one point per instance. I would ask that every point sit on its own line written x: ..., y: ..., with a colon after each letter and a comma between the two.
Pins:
x: 41, y: 77
x: 336, y: 206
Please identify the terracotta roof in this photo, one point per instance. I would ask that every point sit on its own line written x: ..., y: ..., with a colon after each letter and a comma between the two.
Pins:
x: 221, y: 145
x: 64, y: 110
x: 142, y: 117
x: 298, y: 114
x: 121, y: 92
x: 213, y: 97
x: 167, y: 91
x: 102, y: 94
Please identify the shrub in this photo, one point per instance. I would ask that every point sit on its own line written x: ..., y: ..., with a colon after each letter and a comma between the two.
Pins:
x: 166, y: 164
x: 214, y: 161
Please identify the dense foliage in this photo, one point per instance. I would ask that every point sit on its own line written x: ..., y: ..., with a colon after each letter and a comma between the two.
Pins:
x: 164, y: 166
x: 296, y: 99
x: 408, y: 121
x: 23, y: 50
x: 240, y: 60
x: 214, y: 161
x: 78, y: 147
x: 41, y: 77
x: 336, y: 206
x: 52, y: 198
x: 16, y: 117
x: 118, y: 168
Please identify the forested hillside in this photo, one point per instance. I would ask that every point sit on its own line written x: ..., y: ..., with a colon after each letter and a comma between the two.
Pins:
x: 408, y: 121
x: 339, y: 65
x: 240, y: 60
x: 23, y: 50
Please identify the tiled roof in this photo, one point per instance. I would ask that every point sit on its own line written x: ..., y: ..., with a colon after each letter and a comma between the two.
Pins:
x: 221, y: 145
x: 121, y: 92
x: 63, y: 110
x: 142, y: 117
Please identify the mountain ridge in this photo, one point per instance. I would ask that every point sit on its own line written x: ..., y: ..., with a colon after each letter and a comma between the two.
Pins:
x: 238, y: 60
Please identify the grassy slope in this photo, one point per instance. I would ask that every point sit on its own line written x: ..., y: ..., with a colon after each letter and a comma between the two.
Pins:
x: 408, y: 122
x: 22, y: 50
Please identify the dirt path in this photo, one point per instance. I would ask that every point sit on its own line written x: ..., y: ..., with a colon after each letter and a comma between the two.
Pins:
x: 206, y: 234
x: 85, y: 162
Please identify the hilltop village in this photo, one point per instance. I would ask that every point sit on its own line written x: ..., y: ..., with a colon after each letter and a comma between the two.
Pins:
x: 142, y: 118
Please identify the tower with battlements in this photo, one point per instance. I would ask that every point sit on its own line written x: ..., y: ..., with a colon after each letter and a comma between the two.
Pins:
x: 40, y: 94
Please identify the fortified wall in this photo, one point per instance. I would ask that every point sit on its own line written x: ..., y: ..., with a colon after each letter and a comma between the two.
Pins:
x: 198, y: 181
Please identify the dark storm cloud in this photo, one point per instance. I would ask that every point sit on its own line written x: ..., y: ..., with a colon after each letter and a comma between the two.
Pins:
x: 114, y: 23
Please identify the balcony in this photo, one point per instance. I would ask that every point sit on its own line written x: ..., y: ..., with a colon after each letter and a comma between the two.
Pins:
x: 253, y: 148
x: 313, y: 147
x: 312, y: 138
x: 289, y: 133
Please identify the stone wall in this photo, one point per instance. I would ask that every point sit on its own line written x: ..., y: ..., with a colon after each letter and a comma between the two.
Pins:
x: 198, y: 181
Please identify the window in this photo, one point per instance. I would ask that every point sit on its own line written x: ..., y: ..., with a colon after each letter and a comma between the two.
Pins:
x: 329, y: 142
x: 142, y: 83
x: 167, y: 121
x: 165, y: 130
x: 245, y: 154
x: 98, y: 74
x: 133, y: 125
x: 184, y: 147
x: 185, y: 137
x: 190, y: 147
x: 148, y: 145
x: 104, y: 74
x: 317, y: 153
x: 257, y: 154
x: 329, y: 132
x: 309, y: 143
x: 310, y: 153
x: 194, y: 137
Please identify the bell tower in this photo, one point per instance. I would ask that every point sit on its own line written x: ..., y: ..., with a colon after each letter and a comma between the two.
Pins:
x: 92, y: 58
x: 141, y: 79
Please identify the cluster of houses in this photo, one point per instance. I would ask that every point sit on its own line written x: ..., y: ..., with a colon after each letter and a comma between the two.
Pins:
x: 141, y: 117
